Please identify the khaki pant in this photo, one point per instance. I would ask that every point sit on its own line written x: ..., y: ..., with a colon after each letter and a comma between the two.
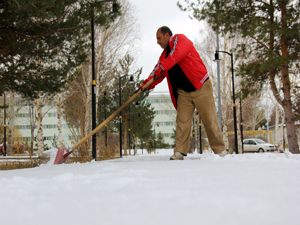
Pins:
x: 203, y: 101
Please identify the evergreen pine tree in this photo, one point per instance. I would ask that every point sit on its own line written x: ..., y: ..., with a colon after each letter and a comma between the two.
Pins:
x: 139, y: 114
x: 43, y: 41
x: 272, y: 31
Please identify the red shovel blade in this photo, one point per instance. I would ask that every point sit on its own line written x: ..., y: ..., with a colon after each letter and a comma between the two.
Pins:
x: 61, y: 155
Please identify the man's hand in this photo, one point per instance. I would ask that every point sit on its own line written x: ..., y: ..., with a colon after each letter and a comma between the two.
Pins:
x: 149, y: 83
x: 142, y: 85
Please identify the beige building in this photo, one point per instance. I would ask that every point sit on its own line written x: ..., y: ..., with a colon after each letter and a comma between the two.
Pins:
x: 165, y: 115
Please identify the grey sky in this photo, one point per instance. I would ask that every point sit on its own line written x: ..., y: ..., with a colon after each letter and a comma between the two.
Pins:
x: 151, y: 15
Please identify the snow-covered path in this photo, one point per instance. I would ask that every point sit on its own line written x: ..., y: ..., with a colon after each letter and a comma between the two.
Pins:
x: 249, y: 189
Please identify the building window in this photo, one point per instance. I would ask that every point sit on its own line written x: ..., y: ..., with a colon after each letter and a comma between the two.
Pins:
x: 49, y: 126
x: 22, y: 127
x: 22, y: 115
x: 165, y: 112
x: 159, y: 100
x: 53, y: 114
x: 48, y: 138
x: 164, y: 124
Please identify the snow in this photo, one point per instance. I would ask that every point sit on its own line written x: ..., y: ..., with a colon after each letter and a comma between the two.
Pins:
x: 248, y: 189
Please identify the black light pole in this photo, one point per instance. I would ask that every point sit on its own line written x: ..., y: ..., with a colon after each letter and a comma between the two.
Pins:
x: 200, y: 138
x: 114, y: 8
x: 133, y: 128
x: 241, y: 124
x: 283, y: 139
x: 155, y: 136
x: 31, y: 127
x: 120, y: 116
x: 194, y: 133
x: 105, y: 115
x: 142, y: 145
x: 233, y: 98
x: 120, y: 119
x: 4, y: 123
x: 200, y: 133
x: 154, y: 139
x: 94, y: 154
x: 129, y: 128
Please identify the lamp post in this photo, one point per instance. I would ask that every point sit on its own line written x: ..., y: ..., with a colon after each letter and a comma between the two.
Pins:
x: 219, y: 88
x: 94, y: 154
x: 200, y: 137
x: 283, y: 139
x: 133, y: 127
x: 105, y: 115
x: 154, y: 139
x: 200, y: 133
x: 154, y: 129
x: 233, y: 97
x: 194, y: 134
x: 120, y: 116
x: 4, y: 123
x: 32, y: 126
x: 241, y: 123
x: 129, y: 129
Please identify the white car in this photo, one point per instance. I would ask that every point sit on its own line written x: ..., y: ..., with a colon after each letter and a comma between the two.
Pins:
x: 257, y: 145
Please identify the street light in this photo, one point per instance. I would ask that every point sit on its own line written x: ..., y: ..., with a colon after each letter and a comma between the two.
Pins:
x: 241, y: 123
x: 105, y: 115
x: 283, y: 139
x: 120, y: 116
x: 200, y: 137
x: 133, y: 128
x: 219, y: 88
x: 4, y: 139
x: 200, y: 133
x: 155, y: 125
x: 233, y: 97
x: 114, y: 8
x: 4, y: 125
x: 31, y: 111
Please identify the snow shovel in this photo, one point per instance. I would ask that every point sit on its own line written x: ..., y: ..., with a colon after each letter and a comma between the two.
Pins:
x: 63, y: 153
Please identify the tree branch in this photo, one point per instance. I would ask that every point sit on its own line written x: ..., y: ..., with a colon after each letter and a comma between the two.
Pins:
x: 259, y: 42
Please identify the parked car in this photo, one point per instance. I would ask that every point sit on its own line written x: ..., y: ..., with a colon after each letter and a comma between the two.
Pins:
x: 257, y: 145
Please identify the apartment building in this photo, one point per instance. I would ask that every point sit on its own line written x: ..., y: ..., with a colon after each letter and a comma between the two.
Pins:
x: 24, y: 115
x: 165, y: 115
x: 23, y: 125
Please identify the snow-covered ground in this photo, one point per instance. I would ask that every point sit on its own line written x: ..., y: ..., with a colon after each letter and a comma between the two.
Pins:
x: 248, y: 189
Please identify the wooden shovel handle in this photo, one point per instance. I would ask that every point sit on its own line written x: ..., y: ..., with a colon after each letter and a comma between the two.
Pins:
x: 113, y: 115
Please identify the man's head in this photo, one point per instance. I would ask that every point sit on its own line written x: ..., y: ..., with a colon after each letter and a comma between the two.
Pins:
x: 163, y: 36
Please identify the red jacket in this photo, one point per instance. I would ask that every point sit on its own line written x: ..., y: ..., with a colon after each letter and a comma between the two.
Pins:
x: 186, y: 56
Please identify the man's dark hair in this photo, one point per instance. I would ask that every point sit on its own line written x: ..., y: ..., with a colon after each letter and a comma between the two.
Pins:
x: 165, y: 29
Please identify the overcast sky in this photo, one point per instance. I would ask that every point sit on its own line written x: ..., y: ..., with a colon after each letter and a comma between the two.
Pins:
x: 151, y: 14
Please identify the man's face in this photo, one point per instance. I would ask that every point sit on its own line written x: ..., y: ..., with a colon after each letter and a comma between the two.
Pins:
x: 162, y: 39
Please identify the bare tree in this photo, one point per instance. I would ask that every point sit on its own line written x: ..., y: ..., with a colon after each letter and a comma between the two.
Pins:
x: 39, y: 124
x: 59, y: 113
x: 112, y: 44
x: 14, y: 103
x: 207, y: 49
x: 40, y: 113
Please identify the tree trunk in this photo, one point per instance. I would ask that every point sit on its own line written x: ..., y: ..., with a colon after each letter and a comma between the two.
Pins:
x: 287, y: 103
x: 32, y: 126
x: 290, y: 127
x: 283, y: 134
x: 276, y: 128
x: 226, y: 138
x: 60, y: 141
x: 11, y: 124
x: 39, y: 126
